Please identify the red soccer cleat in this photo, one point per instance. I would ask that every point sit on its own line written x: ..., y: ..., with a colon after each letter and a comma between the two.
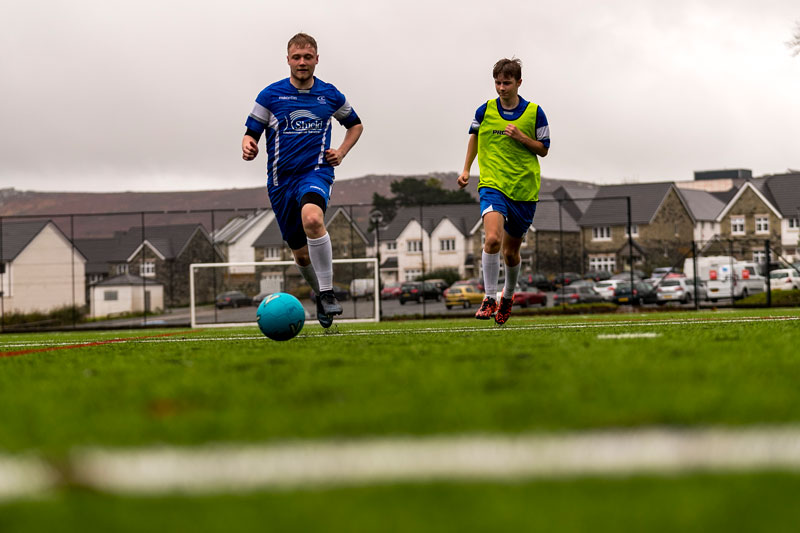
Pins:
x: 504, y: 310
x: 487, y: 309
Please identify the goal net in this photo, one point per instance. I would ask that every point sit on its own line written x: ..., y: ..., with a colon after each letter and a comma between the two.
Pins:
x: 227, y: 294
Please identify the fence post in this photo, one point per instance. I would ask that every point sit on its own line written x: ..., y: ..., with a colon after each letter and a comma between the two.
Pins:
x: 769, y: 284
x: 2, y: 282
x: 694, y: 276
x: 630, y: 246
x: 72, y: 263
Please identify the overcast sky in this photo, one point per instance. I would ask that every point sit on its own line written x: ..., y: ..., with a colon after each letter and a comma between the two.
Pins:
x: 152, y: 95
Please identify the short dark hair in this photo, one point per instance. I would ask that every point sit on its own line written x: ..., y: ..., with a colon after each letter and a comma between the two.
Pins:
x: 508, y: 68
x: 302, y: 40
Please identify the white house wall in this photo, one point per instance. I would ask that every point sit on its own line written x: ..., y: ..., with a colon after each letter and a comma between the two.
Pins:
x: 704, y: 231
x: 41, y: 277
x: 242, y: 250
x: 411, y: 260
x: 448, y: 259
x: 789, y: 236
x: 129, y: 299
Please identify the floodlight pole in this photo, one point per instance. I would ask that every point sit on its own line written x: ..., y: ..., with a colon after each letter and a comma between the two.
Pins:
x: 630, y: 244
x: 769, y: 282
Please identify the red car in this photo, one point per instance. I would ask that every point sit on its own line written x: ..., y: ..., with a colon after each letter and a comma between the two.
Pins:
x: 531, y: 296
x: 391, y: 291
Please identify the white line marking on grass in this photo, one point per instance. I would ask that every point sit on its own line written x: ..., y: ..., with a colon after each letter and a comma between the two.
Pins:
x: 650, y: 335
x: 478, y: 328
x: 344, y: 463
x: 23, y: 477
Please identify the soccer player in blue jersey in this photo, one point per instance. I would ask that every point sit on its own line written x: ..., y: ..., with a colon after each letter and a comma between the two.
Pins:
x: 508, y: 135
x: 296, y: 113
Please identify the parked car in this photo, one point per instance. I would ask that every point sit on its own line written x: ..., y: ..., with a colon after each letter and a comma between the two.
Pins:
x: 530, y: 296
x: 638, y: 275
x: 391, y: 291
x: 784, y: 279
x: 233, y: 299
x: 745, y: 280
x: 463, y: 296
x: 417, y: 291
x: 606, y: 288
x: 566, y: 278
x: 679, y: 289
x: 258, y: 298
x: 597, y: 275
x: 576, y: 294
x: 474, y: 283
x: 540, y: 281
x: 643, y: 293
x: 341, y: 293
x: 440, y: 284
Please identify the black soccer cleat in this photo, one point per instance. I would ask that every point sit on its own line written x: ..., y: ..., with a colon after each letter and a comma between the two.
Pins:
x: 329, y: 303
x: 324, y: 320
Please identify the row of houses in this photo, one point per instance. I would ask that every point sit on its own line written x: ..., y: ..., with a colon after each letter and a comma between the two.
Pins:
x: 574, y: 230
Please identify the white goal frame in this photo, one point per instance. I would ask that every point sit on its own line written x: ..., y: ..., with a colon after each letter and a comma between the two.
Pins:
x: 194, y: 266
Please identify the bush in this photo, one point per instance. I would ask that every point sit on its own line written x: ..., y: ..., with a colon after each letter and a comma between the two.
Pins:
x: 57, y: 317
x: 779, y: 299
x: 449, y: 275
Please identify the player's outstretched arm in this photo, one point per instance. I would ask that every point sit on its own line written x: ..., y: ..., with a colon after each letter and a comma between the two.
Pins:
x: 249, y: 148
x: 335, y: 156
x: 472, y: 152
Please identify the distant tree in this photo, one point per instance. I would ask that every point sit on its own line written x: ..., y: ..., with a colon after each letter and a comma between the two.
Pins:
x: 410, y: 192
x: 794, y: 44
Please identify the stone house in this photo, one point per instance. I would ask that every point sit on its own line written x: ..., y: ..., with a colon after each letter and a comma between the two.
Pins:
x: 662, y: 227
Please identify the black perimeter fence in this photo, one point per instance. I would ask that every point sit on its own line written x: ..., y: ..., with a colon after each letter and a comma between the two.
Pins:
x: 131, y: 270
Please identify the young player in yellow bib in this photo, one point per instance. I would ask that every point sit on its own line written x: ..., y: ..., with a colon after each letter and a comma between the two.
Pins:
x: 508, y: 135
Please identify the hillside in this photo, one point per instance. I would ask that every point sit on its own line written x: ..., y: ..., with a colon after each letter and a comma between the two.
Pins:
x: 100, y: 214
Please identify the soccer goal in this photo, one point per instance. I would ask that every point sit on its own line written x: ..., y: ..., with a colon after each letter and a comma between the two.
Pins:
x: 228, y: 294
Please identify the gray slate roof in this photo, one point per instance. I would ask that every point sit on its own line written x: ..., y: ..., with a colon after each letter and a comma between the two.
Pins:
x: 18, y: 235
x: 463, y: 216
x: 703, y: 205
x: 783, y: 191
x: 609, y: 207
x: 124, y: 280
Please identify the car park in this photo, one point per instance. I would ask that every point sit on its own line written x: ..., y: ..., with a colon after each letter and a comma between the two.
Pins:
x: 576, y: 294
x: 540, y: 281
x: 439, y: 283
x: 597, y: 275
x: 784, y: 279
x: 565, y: 278
x: 679, y: 290
x: 643, y: 293
x: 418, y: 291
x: 638, y: 275
x: 463, y: 296
x: 232, y: 299
x: 607, y: 287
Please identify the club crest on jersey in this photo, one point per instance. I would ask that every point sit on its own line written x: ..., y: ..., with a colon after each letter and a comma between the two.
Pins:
x: 304, y: 121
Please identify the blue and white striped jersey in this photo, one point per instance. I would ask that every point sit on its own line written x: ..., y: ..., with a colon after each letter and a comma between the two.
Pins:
x: 542, y: 126
x: 298, y: 125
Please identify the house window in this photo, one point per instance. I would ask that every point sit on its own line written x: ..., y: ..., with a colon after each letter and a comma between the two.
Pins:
x: 110, y: 296
x: 601, y: 233
x: 603, y: 262
x: 122, y: 269
x: 759, y: 256
x: 634, y: 230
x: 794, y: 223
x: 391, y: 246
x: 413, y: 274
x: 762, y: 224
x: 447, y: 245
x: 149, y: 269
x: 737, y: 225
x: 414, y: 246
x: 273, y: 253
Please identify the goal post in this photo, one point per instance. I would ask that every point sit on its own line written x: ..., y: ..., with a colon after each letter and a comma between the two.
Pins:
x: 226, y: 295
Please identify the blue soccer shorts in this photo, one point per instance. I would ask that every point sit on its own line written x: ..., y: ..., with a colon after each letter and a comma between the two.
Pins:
x: 286, y: 203
x: 518, y: 215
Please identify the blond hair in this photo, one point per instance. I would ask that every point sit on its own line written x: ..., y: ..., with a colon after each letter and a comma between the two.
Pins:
x: 302, y: 40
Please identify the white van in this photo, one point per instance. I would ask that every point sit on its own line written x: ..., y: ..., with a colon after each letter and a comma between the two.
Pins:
x: 362, y: 288
x: 744, y: 279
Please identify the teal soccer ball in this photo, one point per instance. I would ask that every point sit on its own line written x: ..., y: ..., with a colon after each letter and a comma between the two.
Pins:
x: 280, y: 316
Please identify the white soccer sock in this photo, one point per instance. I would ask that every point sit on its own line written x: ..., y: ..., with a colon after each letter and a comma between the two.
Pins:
x: 309, y: 275
x: 321, y: 254
x: 491, y: 270
x: 512, y: 275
